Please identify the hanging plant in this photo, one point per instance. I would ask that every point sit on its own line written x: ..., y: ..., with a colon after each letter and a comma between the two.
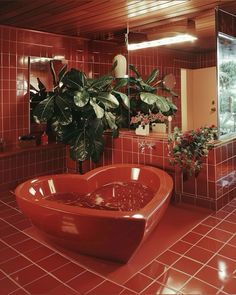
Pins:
x: 187, y: 149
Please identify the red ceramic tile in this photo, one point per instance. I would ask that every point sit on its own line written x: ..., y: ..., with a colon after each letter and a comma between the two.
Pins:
x: 154, y: 269
x: 220, y: 214
x: 231, y: 218
x: 181, y: 247
x: 211, y: 221
x: 168, y: 257
x: 210, y: 244
x: 187, y: 265
x: 14, y: 264
x: 173, y: 279
x: 195, y: 286
x: 15, y: 238
x: 213, y: 276
x: 39, y: 253
x: 227, y: 226
x: 157, y: 288
x: 28, y: 275
x: 106, y: 288
x: 43, y: 285
x: 7, y: 231
x: 219, y: 235
x: 232, y: 241
x: 230, y: 286
x: 228, y: 251
x: 63, y: 290
x: 2, y: 275
x: 199, y: 254
x: 228, y: 208
x: 201, y: 229
x: 68, y: 271
x: 85, y: 282
x: 192, y: 238
x: 138, y: 282
x: 26, y: 245
x: 7, y: 286
x: 223, y: 264
x: 6, y: 254
x: 52, y: 262
x: 20, y: 291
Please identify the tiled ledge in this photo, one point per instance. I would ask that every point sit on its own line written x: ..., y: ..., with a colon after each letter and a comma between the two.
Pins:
x: 18, y: 150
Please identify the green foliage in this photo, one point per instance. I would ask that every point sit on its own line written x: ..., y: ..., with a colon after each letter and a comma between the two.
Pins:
x: 187, y: 149
x: 80, y: 109
x: 227, y: 74
x: 144, y: 94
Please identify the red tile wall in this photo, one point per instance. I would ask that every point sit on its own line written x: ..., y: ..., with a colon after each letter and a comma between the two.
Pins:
x: 214, y: 187
x: 95, y: 58
x: 170, y: 61
x: 19, y: 165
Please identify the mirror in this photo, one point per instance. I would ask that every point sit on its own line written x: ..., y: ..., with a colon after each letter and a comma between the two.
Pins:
x: 169, y: 81
x: 226, y: 48
x: 40, y: 81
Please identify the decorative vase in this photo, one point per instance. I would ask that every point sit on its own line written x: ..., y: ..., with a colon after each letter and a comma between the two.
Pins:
x: 159, y: 127
x: 142, y: 130
x: 121, y: 67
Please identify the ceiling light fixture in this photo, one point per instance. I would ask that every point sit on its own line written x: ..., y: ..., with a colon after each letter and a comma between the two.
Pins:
x: 225, y: 36
x: 164, y: 41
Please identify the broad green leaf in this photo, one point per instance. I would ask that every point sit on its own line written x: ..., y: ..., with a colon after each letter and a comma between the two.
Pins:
x: 44, y: 110
x: 120, y: 82
x: 95, y: 128
x: 97, y: 109
x: 41, y: 86
x: 81, y: 98
x: 96, y: 148
x: 151, y: 99
x: 74, y: 79
x: 123, y: 97
x: 146, y: 87
x: 108, y: 100
x: 80, y: 150
x: 62, y: 72
x: 102, y: 82
x: 111, y: 120
x: 95, y: 137
x: 66, y: 133
x: 162, y: 104
x: 133, y: 68
x: 64, y: 113
x: 54, y: 78
x: 152, y: 76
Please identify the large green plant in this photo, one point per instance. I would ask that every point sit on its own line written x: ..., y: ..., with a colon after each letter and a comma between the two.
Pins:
x: 145, y: 97
x: 80, y: 109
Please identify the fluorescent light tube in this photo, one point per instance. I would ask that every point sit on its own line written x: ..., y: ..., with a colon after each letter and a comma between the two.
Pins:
x: 163, y: 41
x: 228, y: 37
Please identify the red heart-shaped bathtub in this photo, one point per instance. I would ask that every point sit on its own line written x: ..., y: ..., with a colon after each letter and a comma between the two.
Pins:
x: 106, y: 212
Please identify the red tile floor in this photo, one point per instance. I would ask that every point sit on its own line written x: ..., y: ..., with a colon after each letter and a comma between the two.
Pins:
x: 192, y: 251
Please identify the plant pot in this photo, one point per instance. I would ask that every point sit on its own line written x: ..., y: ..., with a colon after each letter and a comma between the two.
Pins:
x: 142, y: 130
x: 159, y: 127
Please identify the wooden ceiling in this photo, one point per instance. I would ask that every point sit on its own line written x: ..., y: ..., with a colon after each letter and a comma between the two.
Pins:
x: 109, y: 19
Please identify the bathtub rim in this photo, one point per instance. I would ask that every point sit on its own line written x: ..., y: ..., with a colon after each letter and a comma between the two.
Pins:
x: 166, y: 188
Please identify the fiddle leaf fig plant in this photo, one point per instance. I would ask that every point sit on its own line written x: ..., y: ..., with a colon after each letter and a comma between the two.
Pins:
x: 80, y: 109
x: 145, y: 97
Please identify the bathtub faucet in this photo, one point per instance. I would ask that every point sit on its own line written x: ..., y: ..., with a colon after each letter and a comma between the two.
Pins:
x: 143, y: 145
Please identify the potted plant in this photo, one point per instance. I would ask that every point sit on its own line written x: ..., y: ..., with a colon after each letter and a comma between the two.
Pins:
x: 80, y: 109
x: 186, y: 149
x: 145, y: 97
